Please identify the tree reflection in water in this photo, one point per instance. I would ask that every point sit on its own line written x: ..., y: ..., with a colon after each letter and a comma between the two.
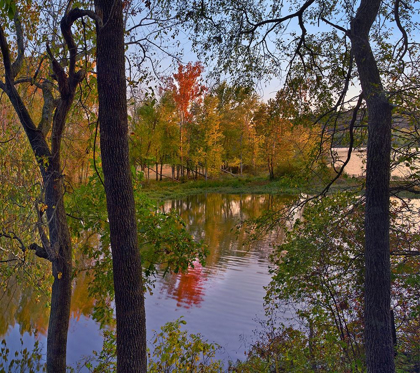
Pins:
x: 214, y: 219
x: 230, y: 285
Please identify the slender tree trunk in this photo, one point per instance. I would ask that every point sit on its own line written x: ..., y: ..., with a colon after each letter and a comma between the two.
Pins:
x: 57, y: 246
x: 61, y: 269
x: 129, y: 297
x: 378, y: 326
x: 270, y: 167
x: 241, y: 165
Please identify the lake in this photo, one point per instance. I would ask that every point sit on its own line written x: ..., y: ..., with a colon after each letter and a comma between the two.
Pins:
x: 223, y: 300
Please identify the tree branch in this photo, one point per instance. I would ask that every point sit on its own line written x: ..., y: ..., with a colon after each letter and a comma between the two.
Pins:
x: 334, y: 25
x: 6, y: 55
x: 35, y: 137
x: 50, y: 103
x: 39, y: 251
x: 298, y: 14
x: 66, y: 24
x: 46, y: 245
x: 351, y: 127
x: 17, y: 65
x: 13, y: 236
x: 402, y: 53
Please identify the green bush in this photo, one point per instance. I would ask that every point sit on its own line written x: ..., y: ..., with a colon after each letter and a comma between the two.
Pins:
x: 173, y: 350
x: 26, y: 360
x: 176, y: 351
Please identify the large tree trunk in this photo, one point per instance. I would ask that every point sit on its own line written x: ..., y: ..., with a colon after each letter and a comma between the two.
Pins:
x: 378, y: 328
x: 129, y: 297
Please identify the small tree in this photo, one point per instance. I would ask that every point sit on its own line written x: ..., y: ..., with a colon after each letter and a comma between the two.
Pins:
x: 45, y: 139
x: 186, y: 89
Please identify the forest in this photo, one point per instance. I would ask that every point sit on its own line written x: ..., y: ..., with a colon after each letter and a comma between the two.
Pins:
x: 129, y: 127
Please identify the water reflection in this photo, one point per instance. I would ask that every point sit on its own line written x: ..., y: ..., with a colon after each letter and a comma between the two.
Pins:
x: 23, y: 307
x: 219, y: 300
x: 214, y: 218
x: 187, y: 289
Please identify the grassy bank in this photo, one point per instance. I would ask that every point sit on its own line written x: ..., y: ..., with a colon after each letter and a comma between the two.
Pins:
x: 240, y: 185
x: 172, y: 189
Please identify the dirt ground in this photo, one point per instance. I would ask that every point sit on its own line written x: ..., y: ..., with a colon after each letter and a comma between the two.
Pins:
x: 151, y: 172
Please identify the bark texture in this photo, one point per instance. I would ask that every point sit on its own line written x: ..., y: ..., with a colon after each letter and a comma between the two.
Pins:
x: 378, y: 328
x: 129, y: 297
x: 61, y: 268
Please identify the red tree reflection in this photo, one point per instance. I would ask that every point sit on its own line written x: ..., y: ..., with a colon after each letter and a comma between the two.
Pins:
x: 187, y: 288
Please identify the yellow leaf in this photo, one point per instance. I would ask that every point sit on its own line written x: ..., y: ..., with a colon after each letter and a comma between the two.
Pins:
x: 59, y: 275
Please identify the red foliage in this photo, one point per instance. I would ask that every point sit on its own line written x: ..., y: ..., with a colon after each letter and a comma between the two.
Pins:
x: 186, y: 87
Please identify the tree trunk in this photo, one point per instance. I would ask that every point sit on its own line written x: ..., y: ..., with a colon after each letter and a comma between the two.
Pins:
x: 57, y: 244
x: 60, y: 242
x: 129, y: 297
x: 378, y: 328
x: 241, y: 164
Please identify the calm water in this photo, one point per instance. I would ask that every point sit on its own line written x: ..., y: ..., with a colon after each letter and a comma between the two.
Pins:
x: 222, y: 300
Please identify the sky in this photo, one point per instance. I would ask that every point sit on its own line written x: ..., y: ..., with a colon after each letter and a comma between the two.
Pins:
x: 266, y: 89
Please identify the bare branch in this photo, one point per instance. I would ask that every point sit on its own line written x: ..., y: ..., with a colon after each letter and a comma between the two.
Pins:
x: 38, y: 69
x: 66, y: 24
x: 402, y: 53
x: 278, y: 21
x: 13, y: 236
x: 406, y: 253
x: 50, y: 103
x: 59, y: 72
x: 17, y: 65
x: 334, y: 25
x: 94, y: 154
x: 351, y: 128
x: 36, y: 138
x: 8, y: 260
x: 6, y: 55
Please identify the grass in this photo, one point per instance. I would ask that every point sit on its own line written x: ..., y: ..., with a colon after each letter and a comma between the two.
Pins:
x: 247, y: 184
x: 162, y: 190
